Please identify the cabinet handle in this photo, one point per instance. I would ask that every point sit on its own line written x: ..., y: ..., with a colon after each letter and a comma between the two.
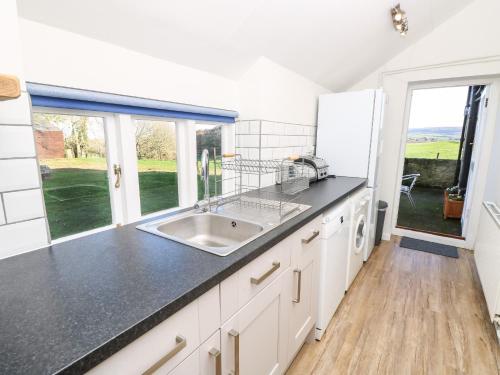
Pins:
x: 313, y: 236
x: 265, y: 275
x: 181, y: 343
x: 299, y: 285
x: 215, y: 353
x: 236, y: 336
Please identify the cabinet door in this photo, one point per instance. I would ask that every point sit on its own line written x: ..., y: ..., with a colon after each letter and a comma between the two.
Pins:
x: 190, y: 366
x: 254, y: 340
x: 304, y: 300
x: 210, y: 356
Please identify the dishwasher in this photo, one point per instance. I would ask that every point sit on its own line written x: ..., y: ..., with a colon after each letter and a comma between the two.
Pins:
x: 333, y: 264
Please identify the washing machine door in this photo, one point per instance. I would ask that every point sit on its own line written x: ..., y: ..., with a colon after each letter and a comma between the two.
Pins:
x: 360, y: 234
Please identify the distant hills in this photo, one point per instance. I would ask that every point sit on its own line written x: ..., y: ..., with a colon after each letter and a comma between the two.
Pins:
x: 434, y: 134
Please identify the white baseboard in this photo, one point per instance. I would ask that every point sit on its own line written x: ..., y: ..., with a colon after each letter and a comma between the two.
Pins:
x: 386, y: 236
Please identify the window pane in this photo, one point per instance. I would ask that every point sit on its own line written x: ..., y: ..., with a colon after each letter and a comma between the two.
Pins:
x: 72, y: 156
x: 209, y: 137
x: 156, y: 155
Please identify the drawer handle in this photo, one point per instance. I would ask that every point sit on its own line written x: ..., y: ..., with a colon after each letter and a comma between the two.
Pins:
x: 236, y: 336
x: 265, y: 275
x: 215, y: 353
x: 299, y: 285
x: 313, y: 236
x: 181, y: 343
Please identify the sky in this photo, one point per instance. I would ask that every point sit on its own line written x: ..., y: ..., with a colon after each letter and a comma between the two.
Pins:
x: 440, y: 107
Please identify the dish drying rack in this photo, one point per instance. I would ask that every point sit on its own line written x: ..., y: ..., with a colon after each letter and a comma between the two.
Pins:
x: 262, y: 184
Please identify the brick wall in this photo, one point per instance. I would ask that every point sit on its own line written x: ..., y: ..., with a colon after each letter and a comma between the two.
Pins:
x: 49, y: 144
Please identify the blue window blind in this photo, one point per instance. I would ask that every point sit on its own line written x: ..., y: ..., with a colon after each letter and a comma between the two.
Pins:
x: 63, y: 97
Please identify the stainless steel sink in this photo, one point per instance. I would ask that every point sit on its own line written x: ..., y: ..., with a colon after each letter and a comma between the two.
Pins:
x: 218, y: 233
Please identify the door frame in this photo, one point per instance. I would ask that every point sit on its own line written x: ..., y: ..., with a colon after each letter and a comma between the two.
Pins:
x: 485, y: 144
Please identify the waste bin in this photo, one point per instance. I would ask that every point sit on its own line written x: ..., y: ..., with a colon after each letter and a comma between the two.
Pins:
x: 382, y: 207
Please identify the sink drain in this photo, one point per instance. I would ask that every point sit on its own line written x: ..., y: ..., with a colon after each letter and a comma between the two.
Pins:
x: 233, y: 224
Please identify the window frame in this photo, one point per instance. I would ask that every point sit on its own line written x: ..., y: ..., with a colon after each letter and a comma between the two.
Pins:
x: 119, y: 133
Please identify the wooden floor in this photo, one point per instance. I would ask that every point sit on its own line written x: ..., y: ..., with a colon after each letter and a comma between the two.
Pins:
x: 407, y: 312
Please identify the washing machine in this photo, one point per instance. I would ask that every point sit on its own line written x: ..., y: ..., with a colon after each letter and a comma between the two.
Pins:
x: 358, y: 239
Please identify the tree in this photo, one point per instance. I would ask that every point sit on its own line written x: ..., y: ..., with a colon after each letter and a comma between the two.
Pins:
x: 155, y: 140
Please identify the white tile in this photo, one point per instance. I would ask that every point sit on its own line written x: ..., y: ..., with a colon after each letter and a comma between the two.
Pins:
x: 266, y: 153
x: 2, y: 213
x: 17, y: 111
x: 23, y: 205
x: 253, y: 180
x: 253, y: 153
x: 273, y: 141
x: 21, y: 237
x: 255, y: 127
x: 268, y: 127
x: 243, y: 127
x: 18, y: 174
x: 16, y: 141
x: 252, y: 141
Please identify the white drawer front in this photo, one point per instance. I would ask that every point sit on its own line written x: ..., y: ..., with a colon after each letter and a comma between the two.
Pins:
x: 147, y: 350
x: 306, y: 242
x: 238, y: 289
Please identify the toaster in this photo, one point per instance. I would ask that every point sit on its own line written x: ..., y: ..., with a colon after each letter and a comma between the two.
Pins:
x: 318, y: 168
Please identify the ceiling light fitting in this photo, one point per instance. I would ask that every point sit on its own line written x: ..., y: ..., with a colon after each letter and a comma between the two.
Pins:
x: 399, y: 20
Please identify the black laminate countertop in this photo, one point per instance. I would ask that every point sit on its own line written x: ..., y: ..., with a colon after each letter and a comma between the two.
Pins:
x: 67, y: 307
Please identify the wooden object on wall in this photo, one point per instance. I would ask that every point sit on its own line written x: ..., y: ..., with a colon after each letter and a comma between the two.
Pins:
x: 9, y: 87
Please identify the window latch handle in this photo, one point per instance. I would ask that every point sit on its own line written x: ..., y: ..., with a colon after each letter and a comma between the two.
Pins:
x: 118, y: 173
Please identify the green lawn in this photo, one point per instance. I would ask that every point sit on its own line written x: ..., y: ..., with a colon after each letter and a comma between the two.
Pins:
x: 429, y: 150
x: 77, y: 192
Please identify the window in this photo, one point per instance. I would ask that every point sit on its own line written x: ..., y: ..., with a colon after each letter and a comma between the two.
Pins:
x: 82, y: 155
x: 209, y: 137
x: 72, y: 156
x: 156, y: 161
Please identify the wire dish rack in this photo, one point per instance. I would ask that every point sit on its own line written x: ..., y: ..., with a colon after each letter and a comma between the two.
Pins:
x: 243, y: 183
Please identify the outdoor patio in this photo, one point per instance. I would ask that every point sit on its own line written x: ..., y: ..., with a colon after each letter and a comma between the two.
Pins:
x: 428, y: 213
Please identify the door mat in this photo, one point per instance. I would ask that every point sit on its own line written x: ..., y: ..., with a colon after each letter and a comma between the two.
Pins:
x: 429, y: 247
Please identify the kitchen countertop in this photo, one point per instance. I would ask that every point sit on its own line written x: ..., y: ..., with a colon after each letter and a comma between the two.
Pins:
x: 67, y: 307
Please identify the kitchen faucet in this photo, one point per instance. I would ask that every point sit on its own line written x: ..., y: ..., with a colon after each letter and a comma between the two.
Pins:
x: 205, y: 175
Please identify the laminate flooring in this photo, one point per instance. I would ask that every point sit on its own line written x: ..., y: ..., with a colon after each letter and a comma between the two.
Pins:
x: 407, y: 312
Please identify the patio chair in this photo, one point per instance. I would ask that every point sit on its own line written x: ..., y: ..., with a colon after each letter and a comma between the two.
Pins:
x: 406, y: 189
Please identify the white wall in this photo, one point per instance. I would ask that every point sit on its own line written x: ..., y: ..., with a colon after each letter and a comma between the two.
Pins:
x: 464, y: 46
x: 58, y: 57
x: 22, y: 217
x: 471, y: 34
x: 268, y: 91
x: 49, y: 55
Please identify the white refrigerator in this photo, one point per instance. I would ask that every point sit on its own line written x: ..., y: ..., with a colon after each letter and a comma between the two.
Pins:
x: 349, y: 138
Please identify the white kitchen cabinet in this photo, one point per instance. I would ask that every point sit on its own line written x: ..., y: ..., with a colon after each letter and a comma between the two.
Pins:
x: 254, y: 340
x: 210, y: 356
x: 238, y: 289
x: 206, y: 360
x: 168, y: 344
x: 190, y: 366
x: 304, y: 302
x: 253, y: 323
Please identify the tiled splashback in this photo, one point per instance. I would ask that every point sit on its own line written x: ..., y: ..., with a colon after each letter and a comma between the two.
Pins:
x: 260, y: 139
x: 265, y: 140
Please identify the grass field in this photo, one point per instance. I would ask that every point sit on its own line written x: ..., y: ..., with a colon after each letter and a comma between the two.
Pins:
x: 429, y: 150
x: 77, y: 192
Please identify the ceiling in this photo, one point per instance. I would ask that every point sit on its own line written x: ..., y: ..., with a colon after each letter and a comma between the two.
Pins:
x: 332, y: 42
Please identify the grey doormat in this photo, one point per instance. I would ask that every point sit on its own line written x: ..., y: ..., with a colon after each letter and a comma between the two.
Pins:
x: 429, y: 247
